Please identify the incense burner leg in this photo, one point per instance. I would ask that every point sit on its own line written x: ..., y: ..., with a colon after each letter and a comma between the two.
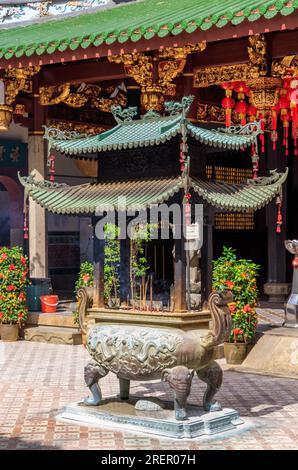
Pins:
x: 124, y: 385
x: 92, y: 373
x: 179, y: 378
x: 212, y: 376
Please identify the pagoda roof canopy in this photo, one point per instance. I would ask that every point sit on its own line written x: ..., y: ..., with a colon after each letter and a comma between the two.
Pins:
x: 143, y: 19
x: 142, y: 194
x: 151, y: 130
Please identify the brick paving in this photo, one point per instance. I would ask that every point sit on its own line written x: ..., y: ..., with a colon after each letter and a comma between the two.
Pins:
x: 38, y: 379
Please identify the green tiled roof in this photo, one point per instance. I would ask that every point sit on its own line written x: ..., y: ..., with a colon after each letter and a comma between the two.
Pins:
x: 134, y: 21
x: 238, y: 198
x: 141, y: 194
x: 148, y: 132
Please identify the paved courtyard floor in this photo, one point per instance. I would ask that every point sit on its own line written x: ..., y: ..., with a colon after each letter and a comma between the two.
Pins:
x: 38, y: 379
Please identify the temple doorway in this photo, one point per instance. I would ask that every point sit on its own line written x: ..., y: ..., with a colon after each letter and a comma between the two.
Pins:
x: 11, y: 212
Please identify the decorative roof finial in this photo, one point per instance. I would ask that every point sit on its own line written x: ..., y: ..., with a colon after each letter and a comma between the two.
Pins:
x: 174, y: 107
x: 124, y: 115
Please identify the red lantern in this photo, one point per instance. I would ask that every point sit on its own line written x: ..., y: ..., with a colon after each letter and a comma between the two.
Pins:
x: 241, y: 109
x: 252, y: 113
x: 241, y: 89
x: 295, y: 263
x: 228, y: 87
x: 228, y: 104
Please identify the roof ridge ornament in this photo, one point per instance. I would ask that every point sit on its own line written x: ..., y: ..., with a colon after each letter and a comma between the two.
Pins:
x: 274, y: 177
x: 31, y: 181
x: 251, y: 128
x: 151, y: 114
x: 53, y: 133
x: 124, y: 115
x: 176, y: 107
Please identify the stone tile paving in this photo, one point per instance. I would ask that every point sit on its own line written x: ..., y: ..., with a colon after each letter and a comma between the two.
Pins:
x: 38, y: 379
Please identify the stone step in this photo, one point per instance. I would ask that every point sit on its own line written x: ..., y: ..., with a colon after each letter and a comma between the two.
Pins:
x: 53, y: 334
x: 64, y: 319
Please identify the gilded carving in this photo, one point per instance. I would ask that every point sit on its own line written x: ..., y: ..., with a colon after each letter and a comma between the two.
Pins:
x: 286, y: 67
x: 168, y: 64
x: 167, y: 71
x: 87, y: 129
x: 206, y: 76
x: 256, y: 67
x: 211, y: 113
x: 78, y: 96
x: 181, y: 52
x: 264, y: 92
x: 52, y: 95
x: 257, y: 52
x: 17, y: 80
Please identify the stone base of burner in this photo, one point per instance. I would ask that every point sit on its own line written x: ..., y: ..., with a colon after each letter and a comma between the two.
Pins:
x: 124, y: 415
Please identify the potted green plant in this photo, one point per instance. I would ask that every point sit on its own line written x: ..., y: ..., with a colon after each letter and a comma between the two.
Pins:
x: 85, y: 279
x: 238, y: 276
x: 13, y: 282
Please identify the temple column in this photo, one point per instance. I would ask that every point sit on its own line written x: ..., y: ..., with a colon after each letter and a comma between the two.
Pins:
x: 38, y: 237
x: 98, y: 261
x: 276, y: 287
x: 179, y: 269
x: 38, y: 233
x: 207, y: 254
x: 124, y: 271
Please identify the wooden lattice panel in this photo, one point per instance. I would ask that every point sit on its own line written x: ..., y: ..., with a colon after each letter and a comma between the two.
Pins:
x: 228, y: 175
x: 236, y: 220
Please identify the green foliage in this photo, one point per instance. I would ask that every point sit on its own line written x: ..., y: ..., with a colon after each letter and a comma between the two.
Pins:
x: 111, y: 266
x: 13, y: 282
x: 138, y: 261
x: 112, y: 262
x: 85, y: 278
x: 238, y: 276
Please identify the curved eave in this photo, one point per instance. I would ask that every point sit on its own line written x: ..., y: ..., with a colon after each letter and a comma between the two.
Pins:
x: 222, y: 140
x: 242, y: 198
x: 91, y: 198
x: 72, y: 149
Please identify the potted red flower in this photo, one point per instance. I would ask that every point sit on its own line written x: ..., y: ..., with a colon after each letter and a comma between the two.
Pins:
x: 13, y: 282
x: 238, y: 276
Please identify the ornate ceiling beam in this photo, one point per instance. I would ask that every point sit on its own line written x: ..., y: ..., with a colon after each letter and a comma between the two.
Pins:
x: 78, y: 96
x: 255, y: 67
x: 17, y: 80
x: 155, y: 73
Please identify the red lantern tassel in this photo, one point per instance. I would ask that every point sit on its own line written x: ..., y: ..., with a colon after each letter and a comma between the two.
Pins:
x: 52, y: 168
x: 262, y: 136
x: 228, y: 117
x: 26, y: 229
x: 279, y: 215
x: 287, y: 139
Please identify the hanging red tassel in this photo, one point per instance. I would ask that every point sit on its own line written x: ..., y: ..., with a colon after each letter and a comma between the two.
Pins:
x: 274, y: 136
x: 52, y: 168
x: 255, y: 161
x: 228, y: 102
x: 279, y: 215
x: 26, y: 229
x: 262, y: 135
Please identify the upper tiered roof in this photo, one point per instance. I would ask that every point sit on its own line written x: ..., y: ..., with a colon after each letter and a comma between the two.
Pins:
x: 133, y: 21
x: 153, y: 129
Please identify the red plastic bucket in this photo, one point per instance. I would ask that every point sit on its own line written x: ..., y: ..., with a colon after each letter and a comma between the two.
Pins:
x: 48, y: 303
